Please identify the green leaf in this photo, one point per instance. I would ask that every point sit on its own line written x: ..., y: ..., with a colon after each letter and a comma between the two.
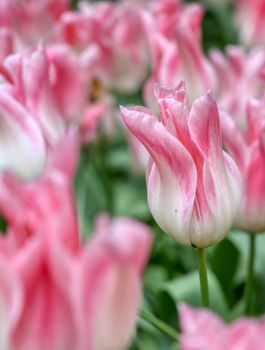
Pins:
x: 187, y: 289
x: 130, y: 202
x: 224, y: 263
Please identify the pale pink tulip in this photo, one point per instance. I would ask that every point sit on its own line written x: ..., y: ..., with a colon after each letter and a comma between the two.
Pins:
x: 193, y: 186
x: 29, y: 207
x: 203, y: 330
x: 22, y: 144
x: 248, y: 150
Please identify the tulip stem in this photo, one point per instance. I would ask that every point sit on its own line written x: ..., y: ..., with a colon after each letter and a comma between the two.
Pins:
x: 249, y: 281
x: 160, y: 325
x: 203, y: 278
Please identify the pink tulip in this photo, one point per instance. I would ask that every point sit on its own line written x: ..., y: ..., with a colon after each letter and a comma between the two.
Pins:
x: 29, y: 207
x: 202, y: 330
x: 179, y: 56
x: 22, y: 144
x: 55, y: 298
x: 250, y: 21
x: 240, y: 75
x: 69, y: 81
x: 31, y: 21
x: 116, y: 31
x: 193, y: 186
x: 30, y: 83
x: 109, y: 283
x: 248, y: 150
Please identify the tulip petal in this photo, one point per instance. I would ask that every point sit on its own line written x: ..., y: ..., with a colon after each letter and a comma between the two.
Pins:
x: 204, y: 128
x: 21, y: 141
x: 233, y: 140
x: 113, y: 263
x: 172, y: 179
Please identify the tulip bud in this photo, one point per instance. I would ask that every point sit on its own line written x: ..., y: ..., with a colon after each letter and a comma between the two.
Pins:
x: 193, y: 186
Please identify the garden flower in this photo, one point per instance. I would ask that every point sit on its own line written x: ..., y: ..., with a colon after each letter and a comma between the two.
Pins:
x: 54, y: 297
x: 201, y: 329
x: 117, y: 32
x: 55, y: 292
x: 28, y: 207
x: 31, y: 21
x: 247, y: 148
x: 179, y: 56
x: 23, y: 150
x: 249, y: 17
x: 240, y: 76
x: 193, y: 186
x: 29, y: 81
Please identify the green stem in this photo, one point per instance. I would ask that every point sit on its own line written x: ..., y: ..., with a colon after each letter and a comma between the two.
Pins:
x: 203, y: 278
x: 249, y: 281
x: 158, y: 324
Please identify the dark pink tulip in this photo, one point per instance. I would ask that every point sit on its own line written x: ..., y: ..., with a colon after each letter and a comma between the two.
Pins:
x: 193, y: 186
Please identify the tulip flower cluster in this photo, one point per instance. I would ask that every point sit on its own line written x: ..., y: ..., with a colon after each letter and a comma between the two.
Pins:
x: 199, y: 135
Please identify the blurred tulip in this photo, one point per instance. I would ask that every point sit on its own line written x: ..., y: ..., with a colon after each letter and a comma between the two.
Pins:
x: 201, y: 330
x: 248, y: 150
x: 30, y: 82
x: 23, y: 149
x: 249, y: 17
x: 117, y: 33
x: 193, y: 186
x: 68, y: 81
x: 55, y: 298
x: 179, y: 56
x: 240, y: 76
x: 110, y: 283
x: 29, y: 207
x: 31, y: 21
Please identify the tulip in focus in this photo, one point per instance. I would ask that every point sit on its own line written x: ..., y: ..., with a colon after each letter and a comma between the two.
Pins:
x: 193, y: 186
x: 203, y: 330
